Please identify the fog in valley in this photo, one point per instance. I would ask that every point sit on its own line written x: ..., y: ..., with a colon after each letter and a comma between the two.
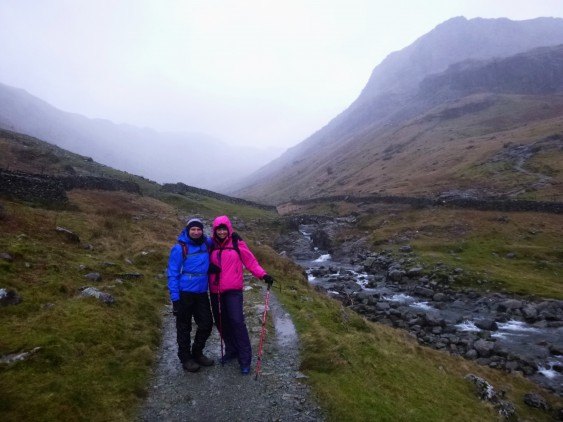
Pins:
x: 197, y: 92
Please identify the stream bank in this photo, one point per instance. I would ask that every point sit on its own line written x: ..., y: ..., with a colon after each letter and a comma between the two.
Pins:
x: 498, y: 330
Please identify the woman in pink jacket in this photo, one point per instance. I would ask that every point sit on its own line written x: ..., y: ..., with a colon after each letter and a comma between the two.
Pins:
x: 229, y: 254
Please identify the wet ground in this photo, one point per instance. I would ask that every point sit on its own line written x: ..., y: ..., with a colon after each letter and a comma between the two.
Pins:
x: 221, y: 393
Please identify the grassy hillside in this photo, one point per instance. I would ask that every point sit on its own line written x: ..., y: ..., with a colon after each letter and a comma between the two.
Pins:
x: 516, y: 252
x: 94, y: 358
x: 474, y: 142
x: 444, y: 149
x: 31, y: 155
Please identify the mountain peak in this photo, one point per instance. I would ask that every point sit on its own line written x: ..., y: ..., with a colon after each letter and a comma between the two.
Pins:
x: 456, y: 20
x: 455, y: 40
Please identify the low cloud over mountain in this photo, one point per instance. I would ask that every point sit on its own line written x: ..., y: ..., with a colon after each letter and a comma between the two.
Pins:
x: 192, y: 158
x: 433, y: 117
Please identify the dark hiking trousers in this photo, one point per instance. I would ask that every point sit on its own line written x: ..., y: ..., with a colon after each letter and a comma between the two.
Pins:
x: 194, y: 305
x: 232, y: 325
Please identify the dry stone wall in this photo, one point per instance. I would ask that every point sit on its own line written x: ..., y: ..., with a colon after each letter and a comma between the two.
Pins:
x: 31, y: 188
x: 480, y: 204
x: 52, y: 189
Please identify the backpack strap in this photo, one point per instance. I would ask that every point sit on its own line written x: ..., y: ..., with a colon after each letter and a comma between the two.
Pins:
x: 235, y: 238
x: 185, y: 250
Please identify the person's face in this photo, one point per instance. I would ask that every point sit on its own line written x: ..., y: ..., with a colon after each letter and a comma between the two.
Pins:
x: 222, y: 233
x: 195, y: 232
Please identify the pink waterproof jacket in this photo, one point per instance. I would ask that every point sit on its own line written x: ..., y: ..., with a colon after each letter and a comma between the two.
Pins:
x: 224, y: 256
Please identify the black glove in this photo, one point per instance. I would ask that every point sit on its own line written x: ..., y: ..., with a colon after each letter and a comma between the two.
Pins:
x: 269, y: 280
x: 175, y: 307
x: 213, y: 269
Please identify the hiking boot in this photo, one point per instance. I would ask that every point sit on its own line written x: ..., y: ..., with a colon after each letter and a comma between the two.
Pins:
x: 190, y: 365
x: 204, y: 360
x: 245, y: 370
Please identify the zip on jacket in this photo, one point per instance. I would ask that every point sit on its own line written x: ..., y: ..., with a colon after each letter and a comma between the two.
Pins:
x: 188, y: 272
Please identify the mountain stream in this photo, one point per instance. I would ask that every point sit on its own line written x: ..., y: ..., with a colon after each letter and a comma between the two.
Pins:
x: 536, y: 347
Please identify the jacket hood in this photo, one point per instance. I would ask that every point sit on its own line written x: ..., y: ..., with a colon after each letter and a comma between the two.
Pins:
x: 223, y: 219
x: 185, y: 238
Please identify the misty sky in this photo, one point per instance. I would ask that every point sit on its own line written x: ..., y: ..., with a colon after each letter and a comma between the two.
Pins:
x: 247, y: 72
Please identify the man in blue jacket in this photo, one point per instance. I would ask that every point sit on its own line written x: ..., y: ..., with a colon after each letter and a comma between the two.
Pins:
x: 187, y: 283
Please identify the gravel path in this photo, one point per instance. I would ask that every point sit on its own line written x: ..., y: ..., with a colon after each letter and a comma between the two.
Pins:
x: 221, y: 393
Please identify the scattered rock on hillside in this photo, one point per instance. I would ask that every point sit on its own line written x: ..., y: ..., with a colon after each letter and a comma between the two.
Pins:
x: 6, y: 256
x: 93, y: 276
x: 396, y: 275
x: 488, y: 393
x: 240, y: 225
x: 460, y: 194
x: 9, y: 297
x: 68, y: 234
x: 484, y: 348
x: 509, y: 305
x: 351, y: 247
x: 502, y: 219
x: 93, y: 292
x: 554, y: 350
x: 414, y: 272
x: 530, y: 312
x: 486, y: 324
x: 18, y: 357
x: 129, y: 276
x: 537, y: 401
x: 321, y: 240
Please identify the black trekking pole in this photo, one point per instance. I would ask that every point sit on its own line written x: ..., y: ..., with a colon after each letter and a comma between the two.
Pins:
x: 220, y: 327
x: 262, y: 333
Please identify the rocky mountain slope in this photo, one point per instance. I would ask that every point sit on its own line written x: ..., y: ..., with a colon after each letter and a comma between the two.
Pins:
x: 436, y: 117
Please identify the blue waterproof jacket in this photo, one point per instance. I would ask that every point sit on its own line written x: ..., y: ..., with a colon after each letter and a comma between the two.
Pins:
x: 189, y: 274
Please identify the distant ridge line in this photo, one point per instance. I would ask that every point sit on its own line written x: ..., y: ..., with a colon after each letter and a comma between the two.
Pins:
x: 471, y: 203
